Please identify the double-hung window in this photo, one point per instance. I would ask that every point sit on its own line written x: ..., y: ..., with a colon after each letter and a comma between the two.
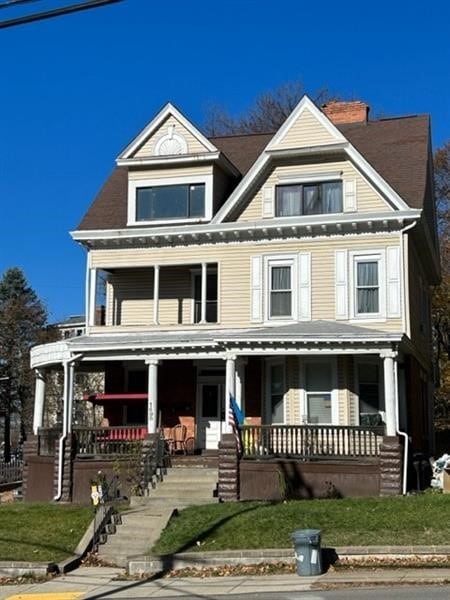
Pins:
x: 280, y: 279
x: 308, y: 199
x: 367, y: 285
x: 318, y: 389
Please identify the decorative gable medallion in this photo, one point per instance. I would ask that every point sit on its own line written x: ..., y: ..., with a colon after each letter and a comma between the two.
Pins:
x: 171, y: 144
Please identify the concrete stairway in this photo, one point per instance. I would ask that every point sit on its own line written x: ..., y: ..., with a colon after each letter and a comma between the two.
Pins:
x: 148, y: 515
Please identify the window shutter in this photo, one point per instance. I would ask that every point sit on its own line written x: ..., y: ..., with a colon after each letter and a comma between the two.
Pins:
x: 268, y: 202
x: 256, y: 289
x: 341, y: 283
x: 393, y: 281
x: 304, y: 279
x: 350, y: 195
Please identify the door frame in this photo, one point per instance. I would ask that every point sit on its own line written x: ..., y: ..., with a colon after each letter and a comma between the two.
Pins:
x: 208, y: 380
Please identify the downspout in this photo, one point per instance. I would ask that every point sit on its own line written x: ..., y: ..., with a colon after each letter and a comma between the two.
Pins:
x: 407, y: 327
x: 67, y: 415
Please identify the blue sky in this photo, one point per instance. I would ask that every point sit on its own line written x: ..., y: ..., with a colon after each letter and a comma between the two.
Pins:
x: 76, y: 89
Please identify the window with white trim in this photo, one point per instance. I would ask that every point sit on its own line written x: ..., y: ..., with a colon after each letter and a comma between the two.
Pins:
x: 308, y: 199
x: 319, y: 392
x: 280, y: 278
x: 368, y: 286
x: 170, y: 202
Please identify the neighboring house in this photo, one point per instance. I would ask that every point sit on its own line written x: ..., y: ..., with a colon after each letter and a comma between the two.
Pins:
x: 73, y: 326
x: 290, y: 270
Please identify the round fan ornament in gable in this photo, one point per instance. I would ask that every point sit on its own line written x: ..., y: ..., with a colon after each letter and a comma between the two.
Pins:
x: 171, y: 143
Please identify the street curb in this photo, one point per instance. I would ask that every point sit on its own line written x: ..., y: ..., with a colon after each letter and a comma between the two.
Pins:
x: 349, y: 555
x: 19, y: 568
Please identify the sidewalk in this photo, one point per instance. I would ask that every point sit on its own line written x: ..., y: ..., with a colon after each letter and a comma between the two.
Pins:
x: 99, y: 583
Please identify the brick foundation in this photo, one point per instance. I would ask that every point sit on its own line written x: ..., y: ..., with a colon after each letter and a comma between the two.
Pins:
x: 228, y: 488
x: 67, y: 477
x: 30, y: 448
x: 391, y: 464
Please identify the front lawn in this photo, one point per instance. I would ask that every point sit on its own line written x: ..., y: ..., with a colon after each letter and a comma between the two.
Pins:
x: 41, y: 532
x: 414, y: 520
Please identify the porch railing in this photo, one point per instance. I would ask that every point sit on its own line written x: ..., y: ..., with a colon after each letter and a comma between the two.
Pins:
x: 310, y: 442
x: 106, y: 441
x: 11, y: 472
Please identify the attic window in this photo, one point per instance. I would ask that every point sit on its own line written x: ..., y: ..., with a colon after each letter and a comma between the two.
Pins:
x: 309, y: 199
x: 170, y: 202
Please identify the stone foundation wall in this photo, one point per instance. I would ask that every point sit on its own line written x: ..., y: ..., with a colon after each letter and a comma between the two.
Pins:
x: 391, y: 463
x: 228, y: 487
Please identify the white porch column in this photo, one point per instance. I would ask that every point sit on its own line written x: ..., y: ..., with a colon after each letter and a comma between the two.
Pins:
x: 390, y: 391
x: 92, y: 296
x: 71, y: 376
x: 152, y: 406
x: 230, y: 388
x: 203, y: 297
x: 156, y: 294
x: 240, y: 381
x: 39, y: 400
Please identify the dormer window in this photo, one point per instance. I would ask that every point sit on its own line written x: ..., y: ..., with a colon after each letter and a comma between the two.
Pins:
x: 170, y: 202
x: 308, y: 199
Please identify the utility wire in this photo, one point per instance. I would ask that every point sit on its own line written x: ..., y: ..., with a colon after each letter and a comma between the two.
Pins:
x: 11, y: 3
x: 57, y: 12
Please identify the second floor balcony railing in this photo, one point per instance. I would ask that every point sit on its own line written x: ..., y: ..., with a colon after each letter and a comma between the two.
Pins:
x: 310, y: 442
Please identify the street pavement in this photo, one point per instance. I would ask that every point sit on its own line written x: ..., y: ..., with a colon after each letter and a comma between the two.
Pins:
x: 102, y: 583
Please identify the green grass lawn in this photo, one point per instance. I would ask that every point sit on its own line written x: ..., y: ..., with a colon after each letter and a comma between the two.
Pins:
x: 415, y: 520
x: 41, y: 532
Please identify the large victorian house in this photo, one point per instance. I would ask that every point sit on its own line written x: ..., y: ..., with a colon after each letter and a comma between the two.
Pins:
x: 288, y: 270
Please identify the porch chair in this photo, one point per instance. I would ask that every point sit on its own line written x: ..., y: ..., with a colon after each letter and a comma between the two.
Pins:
x: 178, y: 439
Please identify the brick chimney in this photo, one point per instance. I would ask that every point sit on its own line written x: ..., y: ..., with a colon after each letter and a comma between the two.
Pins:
x: 347, y: 112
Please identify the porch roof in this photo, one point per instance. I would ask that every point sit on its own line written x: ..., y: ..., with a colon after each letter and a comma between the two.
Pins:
x: 320, y: 335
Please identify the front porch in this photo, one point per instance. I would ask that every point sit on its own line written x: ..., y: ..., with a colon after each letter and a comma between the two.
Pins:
x: 305, y: 399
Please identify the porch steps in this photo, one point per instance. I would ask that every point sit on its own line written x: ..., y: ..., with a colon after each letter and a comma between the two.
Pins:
x: 148, y: 515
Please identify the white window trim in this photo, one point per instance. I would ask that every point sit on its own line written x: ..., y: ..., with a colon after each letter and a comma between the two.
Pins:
x: 334, y: 388
x: 281, y: 260
x: 272, y: 362
x: 135, y: 184
x: 363, y: 256
x: 373, y: 360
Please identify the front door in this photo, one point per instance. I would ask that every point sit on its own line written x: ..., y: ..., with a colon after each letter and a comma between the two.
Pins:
x: 211, y: 416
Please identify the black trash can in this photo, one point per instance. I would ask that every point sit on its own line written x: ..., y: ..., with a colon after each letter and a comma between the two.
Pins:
x: 308, y: 554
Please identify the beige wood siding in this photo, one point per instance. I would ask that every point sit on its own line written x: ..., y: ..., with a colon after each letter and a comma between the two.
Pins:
x: 234, y: 272
x: 193, y: 144
x: 368, y: 200
x: 139, y: 174
x: 306, y: 131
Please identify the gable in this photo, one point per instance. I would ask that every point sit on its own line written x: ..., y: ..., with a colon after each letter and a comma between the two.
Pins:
x: 306, y: 131
x: 367, y: 199
x: 170, y: 138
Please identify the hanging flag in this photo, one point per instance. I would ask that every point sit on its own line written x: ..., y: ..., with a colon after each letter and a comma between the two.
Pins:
x: 234, y: 416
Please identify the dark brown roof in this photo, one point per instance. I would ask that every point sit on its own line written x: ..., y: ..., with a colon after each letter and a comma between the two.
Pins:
x: 396, y: 148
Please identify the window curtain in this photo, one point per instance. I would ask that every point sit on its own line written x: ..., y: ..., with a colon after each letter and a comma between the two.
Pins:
x: 332, y: 197
x: 280, y: 297
x: 367, y: 282
x: 312, y: 204
x: 288, y: 200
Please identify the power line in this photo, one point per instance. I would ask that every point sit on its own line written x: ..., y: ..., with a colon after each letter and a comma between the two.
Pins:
x: 57, y: 12
x: 11, y: 3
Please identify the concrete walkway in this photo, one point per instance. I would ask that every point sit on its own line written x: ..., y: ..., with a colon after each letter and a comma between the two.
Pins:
x: 100, y: 583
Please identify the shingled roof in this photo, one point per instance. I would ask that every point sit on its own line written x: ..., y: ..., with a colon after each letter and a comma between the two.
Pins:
x: 396, y: 148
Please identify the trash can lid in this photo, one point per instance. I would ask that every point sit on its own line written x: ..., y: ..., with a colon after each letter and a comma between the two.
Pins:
x: 305, y: 533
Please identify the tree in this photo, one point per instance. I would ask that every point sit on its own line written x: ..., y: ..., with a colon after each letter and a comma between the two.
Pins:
x: 268, y: 112
x: 22, y: 325
x: 441, y: 296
